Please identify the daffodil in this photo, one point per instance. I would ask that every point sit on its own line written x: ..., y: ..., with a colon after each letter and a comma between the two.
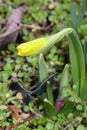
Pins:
x: 32, y: 47
x: 41, y: 45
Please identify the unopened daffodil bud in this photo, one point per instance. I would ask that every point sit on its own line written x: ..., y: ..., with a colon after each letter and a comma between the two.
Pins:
x: 31, y: 47
x: 41, y: 45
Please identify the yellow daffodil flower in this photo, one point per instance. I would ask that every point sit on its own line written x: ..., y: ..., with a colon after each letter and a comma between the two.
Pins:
x: 41, y: 45
x: 32, y: 47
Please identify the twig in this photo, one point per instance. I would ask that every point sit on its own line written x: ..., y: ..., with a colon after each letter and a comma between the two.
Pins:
x: 32, y: 26
x: 37, y: 27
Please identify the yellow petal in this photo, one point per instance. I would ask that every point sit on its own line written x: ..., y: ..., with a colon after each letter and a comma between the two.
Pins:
x: 32, y: 47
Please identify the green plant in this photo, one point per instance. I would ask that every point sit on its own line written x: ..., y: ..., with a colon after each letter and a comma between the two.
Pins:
x: 77, y: 69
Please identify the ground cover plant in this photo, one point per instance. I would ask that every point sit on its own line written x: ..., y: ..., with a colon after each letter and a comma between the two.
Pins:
x: 50, y: 78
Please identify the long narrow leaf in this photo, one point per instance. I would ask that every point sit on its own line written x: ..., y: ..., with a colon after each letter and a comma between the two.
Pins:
x: 49, y: 109
x: 64, y: 82
x: 81, y: 14
x: 73, y: 16
x: 49, y: 93
x: 43, y: 70
x: 85, y: 55
x: 77, y: 60
x: 84, y: 91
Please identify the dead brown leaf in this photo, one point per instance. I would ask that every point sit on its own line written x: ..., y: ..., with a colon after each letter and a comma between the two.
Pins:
x: 17, y: 113
x: 13, y: 28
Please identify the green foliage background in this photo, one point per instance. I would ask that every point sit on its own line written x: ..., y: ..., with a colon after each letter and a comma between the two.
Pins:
x: 51, y: 17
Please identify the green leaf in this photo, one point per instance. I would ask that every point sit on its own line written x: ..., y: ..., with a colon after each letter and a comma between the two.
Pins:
x: 68, y: 107
x: 49, y: 109
x: 49, y: 92
x: 85, y: 54
x: 76, y: 19
x: 81, y: 127
x: 43, y: 70
x: 3, y: 107
x: 73, y: 16
x: 79, y: 107
x: 77, y: 61
x: 65, y: 78
x: 81, y: 13
x: 84, y: 91
x: 49, y: 126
